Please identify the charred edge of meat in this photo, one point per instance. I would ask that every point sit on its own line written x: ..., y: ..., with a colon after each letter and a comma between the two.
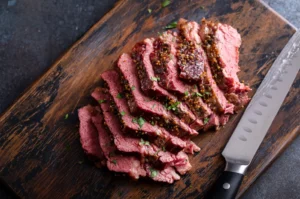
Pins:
x: 160, y: 56
x: 213, y: 55
x: 208, y: 95
x: 186, y: 56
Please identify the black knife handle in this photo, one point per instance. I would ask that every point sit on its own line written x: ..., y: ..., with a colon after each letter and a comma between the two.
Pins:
x: 226, y: 186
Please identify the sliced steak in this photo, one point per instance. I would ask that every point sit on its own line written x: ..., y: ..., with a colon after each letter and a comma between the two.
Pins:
x: 221, y: 43
x: 161, y: 137
x: 165, y: 47
x: 89, y: 136
x: 149, y: 84
x: 208, y: 88
x: 168, y: 174
x: 116, y: 161
x: 152, y: 110
x: 129, y: 144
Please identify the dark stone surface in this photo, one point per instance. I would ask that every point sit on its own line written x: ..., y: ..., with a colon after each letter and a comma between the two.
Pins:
x: 34, y: 33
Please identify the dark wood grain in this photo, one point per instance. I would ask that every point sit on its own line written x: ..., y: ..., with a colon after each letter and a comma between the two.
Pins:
x: 40, y: 150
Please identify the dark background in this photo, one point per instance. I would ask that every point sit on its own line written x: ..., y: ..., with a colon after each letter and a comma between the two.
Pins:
x: 34, y: 33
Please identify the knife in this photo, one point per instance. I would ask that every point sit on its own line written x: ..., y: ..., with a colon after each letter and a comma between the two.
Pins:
x: 256, y: 120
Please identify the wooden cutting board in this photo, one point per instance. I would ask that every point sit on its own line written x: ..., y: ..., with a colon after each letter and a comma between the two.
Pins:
x: 40, y: 152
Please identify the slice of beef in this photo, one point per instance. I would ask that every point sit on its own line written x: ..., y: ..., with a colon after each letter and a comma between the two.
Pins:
x: 168, y: 174
x: 116, y: 161
x: 160, y: 136
x: 221, y: 43
x: 166, y: 68
x: 89, y: 136
x: 149, y: 84
x: 164, y: 63
x: 152, y: 110
x: 128, y: 144
x: 208, y: 88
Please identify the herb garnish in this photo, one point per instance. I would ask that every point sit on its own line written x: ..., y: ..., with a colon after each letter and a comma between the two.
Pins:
x: 114, y: 162
x: 171, y: 25
x: 205, y: 121
x: 122, y: 113
x: 197, y: 94
x: 119, y: 96
x: 163, y: 149
x: 66, y: 116
x: 153, y: 173
x: 140, y: 121
x: 149, y: 10
x: 143, y: 142
x: 80, y: 162
x: 186, y: 93
x: 202, y: 7
x: 101, y: 101
x: 133, y: 88
x: 173, y: 106
x: 155, y: 79
x: 165, y: 3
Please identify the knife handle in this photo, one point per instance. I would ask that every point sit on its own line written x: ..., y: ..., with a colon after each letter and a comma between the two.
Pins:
x: 226, y: 186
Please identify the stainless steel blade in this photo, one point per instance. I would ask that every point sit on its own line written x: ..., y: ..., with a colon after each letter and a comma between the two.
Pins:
x: 264, y: 106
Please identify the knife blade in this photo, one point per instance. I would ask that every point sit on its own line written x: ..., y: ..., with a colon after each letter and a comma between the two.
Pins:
x: 256, y: 120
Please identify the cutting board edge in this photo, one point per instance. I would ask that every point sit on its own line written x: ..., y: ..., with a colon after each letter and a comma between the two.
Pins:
x: 90, y: 31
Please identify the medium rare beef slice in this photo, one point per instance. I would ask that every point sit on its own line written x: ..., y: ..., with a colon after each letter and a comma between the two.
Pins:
x: 125, y: 143
x: 89, y: 136
x: 168, y: 174
x: 208, y: 89
x: 152, y: 110
x: 221, y: 43
x: 149, y: 84
x: 160, y: 136
x: 164, y: 63
x: 116, y: 161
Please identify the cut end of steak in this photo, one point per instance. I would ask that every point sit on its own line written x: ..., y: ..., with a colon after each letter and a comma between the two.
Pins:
x: 115, y: 161
x: 222, y: 43
x: 152, y: 109
x: 184, y: 166
x: 164, y: 62
x: 191, y: 66
x: 168, y: 174
x: 89, y: 136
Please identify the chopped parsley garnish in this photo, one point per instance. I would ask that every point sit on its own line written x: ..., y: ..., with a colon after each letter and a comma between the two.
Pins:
x: 80, y: 162
x: 172, y: 106
x: 155, y: 79
x: 133, y: 88
x: 171, y: 25
x: 143, y: 142
x: 159, y: 33
x: 197, y: 94
x: 205, y: 121
x: 140, y: 121
x: 153, y: 173
x: 202, y: 7
x: 68, y: 146
x: 114, y: 162
x: 163, y: 149
x: 165, y: 3
x: 122, y: 113
x: 101, y: 101
x: 66, y: 116
x: 119, y: 96
x: 152, y: 123
x: 149, y: 10
x: 186, y: 93
x: 207, y: 93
